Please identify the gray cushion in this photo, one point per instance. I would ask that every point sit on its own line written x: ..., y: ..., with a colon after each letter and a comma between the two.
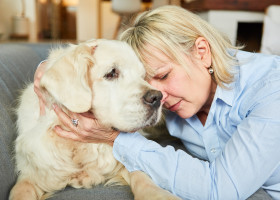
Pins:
x: 97, y: 192
x: 260, y: 195
x: 17, y: 64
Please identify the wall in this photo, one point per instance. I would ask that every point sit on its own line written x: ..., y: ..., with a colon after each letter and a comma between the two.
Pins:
x: 87, y: 22
x: 227, y: 21
x: 10, y: 8
x: 109, y: 20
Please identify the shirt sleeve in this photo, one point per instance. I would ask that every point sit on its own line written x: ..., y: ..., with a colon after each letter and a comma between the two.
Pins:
x: 173, y: 170
x: 248, y: 160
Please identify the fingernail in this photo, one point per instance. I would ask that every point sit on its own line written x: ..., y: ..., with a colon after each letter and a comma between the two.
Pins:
x: 54, y: 106
x: 57, y: 129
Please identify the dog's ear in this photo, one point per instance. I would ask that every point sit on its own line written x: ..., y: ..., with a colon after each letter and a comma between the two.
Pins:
x: 67, y: 77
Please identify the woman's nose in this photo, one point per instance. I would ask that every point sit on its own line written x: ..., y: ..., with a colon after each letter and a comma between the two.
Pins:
x: 159, y: 87
x: 164, y: 97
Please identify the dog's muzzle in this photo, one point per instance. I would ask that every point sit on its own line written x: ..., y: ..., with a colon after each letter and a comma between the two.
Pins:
x: 152, y: 98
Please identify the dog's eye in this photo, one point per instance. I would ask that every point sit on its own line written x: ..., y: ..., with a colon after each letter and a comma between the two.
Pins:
x: 113, y: 74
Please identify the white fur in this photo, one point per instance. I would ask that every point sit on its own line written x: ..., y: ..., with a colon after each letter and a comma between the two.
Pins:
x: 75, y: 80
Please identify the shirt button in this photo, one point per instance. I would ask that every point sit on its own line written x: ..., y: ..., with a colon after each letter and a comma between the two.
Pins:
x: 213, y: 150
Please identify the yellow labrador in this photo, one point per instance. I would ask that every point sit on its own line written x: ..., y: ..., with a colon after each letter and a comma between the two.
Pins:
x: 101, y: 76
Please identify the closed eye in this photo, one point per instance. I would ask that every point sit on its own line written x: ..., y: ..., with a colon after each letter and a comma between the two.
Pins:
x: 113, y: 74
x: 164, y: 77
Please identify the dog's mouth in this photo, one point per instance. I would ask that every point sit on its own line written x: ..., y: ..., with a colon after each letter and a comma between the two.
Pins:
x: 151, y: 119
x: 126, y: 131
x: 115, y: 129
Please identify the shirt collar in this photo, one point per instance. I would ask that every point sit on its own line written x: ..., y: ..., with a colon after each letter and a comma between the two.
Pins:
x: 225, y: 94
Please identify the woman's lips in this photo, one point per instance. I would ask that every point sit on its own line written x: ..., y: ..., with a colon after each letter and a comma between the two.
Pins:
x: 174, y: 107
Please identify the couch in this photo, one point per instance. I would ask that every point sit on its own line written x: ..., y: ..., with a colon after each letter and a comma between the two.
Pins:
x: 18, y: 62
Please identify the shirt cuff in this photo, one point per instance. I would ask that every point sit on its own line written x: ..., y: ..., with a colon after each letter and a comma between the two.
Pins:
x: 126, y: 149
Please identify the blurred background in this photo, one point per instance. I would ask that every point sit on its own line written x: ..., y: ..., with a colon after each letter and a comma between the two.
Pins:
x: 244, y: 21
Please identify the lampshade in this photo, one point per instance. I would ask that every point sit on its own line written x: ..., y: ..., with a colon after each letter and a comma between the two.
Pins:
x: 126, y: 6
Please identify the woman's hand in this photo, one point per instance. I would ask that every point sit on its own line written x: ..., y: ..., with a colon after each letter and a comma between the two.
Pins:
x: 87, y: 130
x: 37, y: 77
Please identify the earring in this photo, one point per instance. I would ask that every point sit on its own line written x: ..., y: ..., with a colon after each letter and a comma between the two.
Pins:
x: 211, y: 70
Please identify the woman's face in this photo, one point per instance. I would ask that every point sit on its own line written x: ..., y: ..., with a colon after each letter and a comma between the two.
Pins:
x: 183, y: 93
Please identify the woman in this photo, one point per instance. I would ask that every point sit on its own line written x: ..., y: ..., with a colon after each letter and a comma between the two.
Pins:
x: 222, y: 103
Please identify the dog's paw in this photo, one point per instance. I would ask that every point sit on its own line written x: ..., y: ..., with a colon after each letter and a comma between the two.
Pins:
x: 84, y: 180
x: 24, y: 189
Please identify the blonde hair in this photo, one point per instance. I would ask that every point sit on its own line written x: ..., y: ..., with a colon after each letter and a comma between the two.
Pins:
x: 173, y: 30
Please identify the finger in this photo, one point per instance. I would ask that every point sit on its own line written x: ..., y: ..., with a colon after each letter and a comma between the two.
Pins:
x: 71, y: 135
x: 66, y: 134
x: 40, y: 70
x: 41, y: 101
x: 42, y: 107
x: 37, y: 77
x: 64, y: 118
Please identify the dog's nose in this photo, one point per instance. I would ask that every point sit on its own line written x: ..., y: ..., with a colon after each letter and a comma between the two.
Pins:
x: 152, y: 98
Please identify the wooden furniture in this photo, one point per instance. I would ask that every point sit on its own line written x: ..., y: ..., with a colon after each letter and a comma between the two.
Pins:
x: 245, y: 5
x: 228, y: 16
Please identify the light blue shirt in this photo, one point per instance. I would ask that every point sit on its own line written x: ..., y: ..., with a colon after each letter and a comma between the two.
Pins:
x: 239, y: 146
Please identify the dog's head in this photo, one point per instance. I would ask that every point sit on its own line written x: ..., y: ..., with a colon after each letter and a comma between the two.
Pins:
x: 104, y: 77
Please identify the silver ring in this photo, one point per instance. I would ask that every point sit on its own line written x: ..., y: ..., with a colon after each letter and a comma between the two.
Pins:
x: 75, y: 122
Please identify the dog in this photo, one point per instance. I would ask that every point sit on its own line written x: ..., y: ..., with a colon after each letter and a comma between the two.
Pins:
x: 104, y: 77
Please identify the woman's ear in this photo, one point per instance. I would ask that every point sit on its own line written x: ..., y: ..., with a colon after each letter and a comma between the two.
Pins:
x: 203, y: 51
